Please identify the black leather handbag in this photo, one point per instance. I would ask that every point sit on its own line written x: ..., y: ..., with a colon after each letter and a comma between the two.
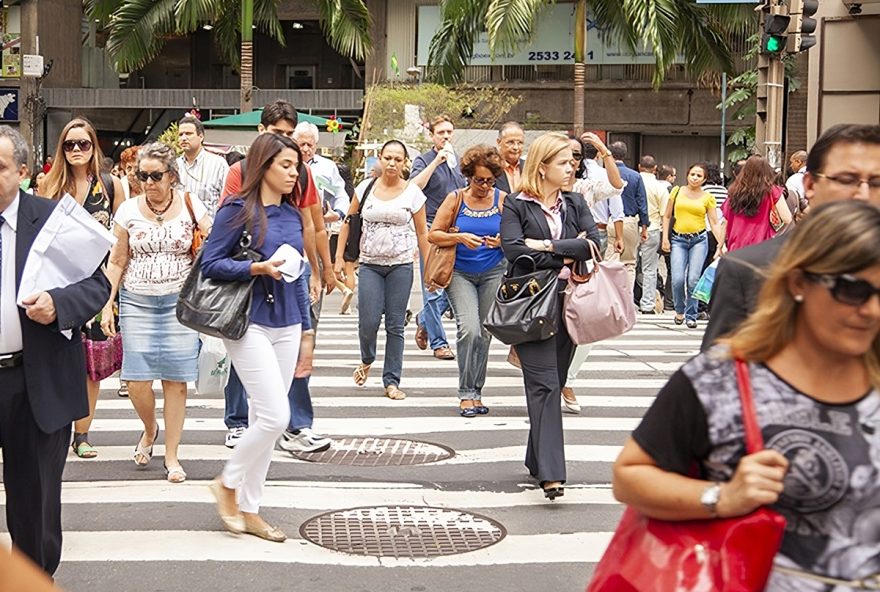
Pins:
x: 219, y: 308
x: 352, y: 250
x: 526, y: 307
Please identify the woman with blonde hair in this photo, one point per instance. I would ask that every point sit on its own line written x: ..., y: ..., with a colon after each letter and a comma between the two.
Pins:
x: 148, y: 265
x: 77, y: 172
x: 548, y: 225
x: 812, y: 349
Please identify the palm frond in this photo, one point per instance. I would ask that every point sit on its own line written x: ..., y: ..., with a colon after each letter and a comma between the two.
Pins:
x: 511, y: 23
x: 138, y: 30
x: 347, y: 25
x: 191, y: 14
x: 266, y: 19
x: 451, y: 48
x: 101, y: 10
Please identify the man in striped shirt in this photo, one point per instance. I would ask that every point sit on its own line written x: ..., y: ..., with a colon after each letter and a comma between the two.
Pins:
x: 201, y: 173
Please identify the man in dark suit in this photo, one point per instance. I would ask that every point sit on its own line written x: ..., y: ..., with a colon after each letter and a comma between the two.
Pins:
x: 42, y: 386
x: 511, y: 141
x: 844, y: 163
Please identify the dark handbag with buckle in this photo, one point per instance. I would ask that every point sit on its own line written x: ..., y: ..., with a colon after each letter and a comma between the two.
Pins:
x: 219, y: 308
x: 729, y: 554
x: 352, y: 250
x: 526, y: 307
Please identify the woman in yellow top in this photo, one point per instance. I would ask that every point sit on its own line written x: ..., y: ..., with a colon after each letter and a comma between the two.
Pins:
x: 687, y: 240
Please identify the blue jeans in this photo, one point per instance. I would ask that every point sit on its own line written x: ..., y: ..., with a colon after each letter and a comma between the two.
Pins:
x: 687, y: 258
x: 435, y: 304
x: 301, y: 413
x: 383, y: 289
x: 470, y: 295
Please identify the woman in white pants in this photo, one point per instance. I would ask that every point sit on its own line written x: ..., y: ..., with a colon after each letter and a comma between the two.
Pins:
x: 265, y: 358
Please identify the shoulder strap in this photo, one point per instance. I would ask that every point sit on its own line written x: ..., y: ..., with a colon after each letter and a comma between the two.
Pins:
x: 243, y: 164
x: 189, y: 207
x: 366, y: 193
x: 754, y: 439
x: 107, y: 184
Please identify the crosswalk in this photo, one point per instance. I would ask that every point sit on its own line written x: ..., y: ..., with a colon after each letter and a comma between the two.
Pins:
x: 126, y: 528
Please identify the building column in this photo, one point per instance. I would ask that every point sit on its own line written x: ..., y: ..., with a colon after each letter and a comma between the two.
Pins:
x: 376, y: 63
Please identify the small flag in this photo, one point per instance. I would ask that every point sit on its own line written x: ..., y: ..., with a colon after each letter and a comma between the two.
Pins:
x: 395, y: 67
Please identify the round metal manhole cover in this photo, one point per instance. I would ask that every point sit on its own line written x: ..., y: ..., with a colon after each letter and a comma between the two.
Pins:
x: 378, y: 452
x: 414, y: 532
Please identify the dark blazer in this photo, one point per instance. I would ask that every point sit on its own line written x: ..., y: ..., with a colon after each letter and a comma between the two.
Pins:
x: 738, y: 281
x: 54, y: 366
x: 501, y: 181
x: 524, y: 219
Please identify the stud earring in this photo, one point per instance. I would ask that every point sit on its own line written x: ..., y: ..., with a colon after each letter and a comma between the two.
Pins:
x: 798, y: 298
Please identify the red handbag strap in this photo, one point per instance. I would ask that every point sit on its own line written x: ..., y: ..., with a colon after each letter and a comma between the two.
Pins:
x: 754, y: 439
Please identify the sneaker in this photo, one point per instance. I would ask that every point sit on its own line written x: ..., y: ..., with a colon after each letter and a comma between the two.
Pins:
x: 304, y: 440
x: 233, y: 435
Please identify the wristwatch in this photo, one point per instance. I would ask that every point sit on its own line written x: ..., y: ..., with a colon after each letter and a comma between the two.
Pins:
x: 548, y: 244
x: 710, y: 498
x: 606, y: 155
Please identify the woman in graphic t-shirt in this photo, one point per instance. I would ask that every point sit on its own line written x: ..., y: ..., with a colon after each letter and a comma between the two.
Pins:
x: 687, y: 240
x: 812, y: 347
x: 151, y: 259
x: 393, y: 225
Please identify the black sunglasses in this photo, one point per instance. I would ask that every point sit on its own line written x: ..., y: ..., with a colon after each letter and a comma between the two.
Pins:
x: 69, y: 145
x: 155, y: 176
x: 845, y: 288
x: 577, y: 155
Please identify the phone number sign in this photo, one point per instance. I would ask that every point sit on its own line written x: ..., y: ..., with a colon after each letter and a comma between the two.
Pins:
x: 552, y: 42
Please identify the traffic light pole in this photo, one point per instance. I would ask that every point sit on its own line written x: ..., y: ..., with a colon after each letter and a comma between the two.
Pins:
x: 771, y: 94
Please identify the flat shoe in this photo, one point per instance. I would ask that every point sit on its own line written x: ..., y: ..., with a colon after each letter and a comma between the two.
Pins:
x: 481, y: 409
x: 467, y: 411
x: 444, y: 353
x: 346, y: 301
x: 393, y: 392
x: 691, y: 324
x: 678, y: 320
x: 145, y: 451
x: 421, y: 336
x: 175, y: 474
x: 360, y: 374
x: 83, y: 449
x: 234, y: 523
x: 264, y: 531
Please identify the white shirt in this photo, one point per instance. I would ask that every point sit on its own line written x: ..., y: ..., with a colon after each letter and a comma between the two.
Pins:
x: 10, y: 323
x: 388, y: 236
x: 795, y: 183
x: 658, y: 198
x: 606, y: 211
x: 204, y: 178
x: 331, y: 187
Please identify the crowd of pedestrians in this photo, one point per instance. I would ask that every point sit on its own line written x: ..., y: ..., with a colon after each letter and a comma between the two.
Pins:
x: 503, y: 214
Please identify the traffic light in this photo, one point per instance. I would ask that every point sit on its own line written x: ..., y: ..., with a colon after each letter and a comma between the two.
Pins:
x: 802, y: 25
x: 773, y: 41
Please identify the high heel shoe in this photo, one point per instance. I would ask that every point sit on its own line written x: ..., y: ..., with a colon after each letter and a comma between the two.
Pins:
x: 569, y: 401
x: 233, y: 521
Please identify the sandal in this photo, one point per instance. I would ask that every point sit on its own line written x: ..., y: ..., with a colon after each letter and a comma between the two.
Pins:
x: 83, y: 449
x: 175, y: 474
x: 392, y: 392
x: 361, y: 373
x: 145, y: 452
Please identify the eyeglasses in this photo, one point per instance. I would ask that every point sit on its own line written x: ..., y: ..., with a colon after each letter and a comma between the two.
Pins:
x: 577, y: 155
x: 845, y: 288
x: 851, y: 180
x: 155, y: 176
x: 83, y: 145
x: 484, y: 182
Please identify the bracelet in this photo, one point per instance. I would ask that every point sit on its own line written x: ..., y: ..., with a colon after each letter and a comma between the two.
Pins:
x: 606, y: 155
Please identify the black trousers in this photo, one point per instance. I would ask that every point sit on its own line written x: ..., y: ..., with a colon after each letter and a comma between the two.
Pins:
x: 32, y: 465
x: 545, y: 368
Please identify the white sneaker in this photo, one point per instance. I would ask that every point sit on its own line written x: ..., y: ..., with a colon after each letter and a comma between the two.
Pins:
x: 304, y: 440
x: 233, y: 435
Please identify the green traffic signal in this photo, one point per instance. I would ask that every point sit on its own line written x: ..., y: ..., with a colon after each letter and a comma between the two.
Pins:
x: 775, y: 44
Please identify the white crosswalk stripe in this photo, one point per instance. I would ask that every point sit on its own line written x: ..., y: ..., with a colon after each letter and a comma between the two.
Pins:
x: 138, y: 508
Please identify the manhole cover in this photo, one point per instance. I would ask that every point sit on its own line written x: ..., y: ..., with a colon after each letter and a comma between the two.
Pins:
x: 378, y: 452
x: 402, y: 531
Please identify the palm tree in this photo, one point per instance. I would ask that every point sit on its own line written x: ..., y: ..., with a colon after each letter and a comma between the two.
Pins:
x: 699, y: 32
x: 137, y: 29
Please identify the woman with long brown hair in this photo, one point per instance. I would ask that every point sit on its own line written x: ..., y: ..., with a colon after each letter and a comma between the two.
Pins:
x: 265, y: 216
x: 752, y: 200
x: 77, y: 171
x: 812, y: 349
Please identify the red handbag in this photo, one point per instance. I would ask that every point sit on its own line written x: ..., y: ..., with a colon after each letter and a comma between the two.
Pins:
x: 724, y: 554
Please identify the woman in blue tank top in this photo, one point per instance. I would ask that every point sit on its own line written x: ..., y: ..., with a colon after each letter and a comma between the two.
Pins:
x: 479, y: 265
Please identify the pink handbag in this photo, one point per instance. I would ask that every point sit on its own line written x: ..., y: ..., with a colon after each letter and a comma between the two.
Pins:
x: 103, y: 358
x: 598, y: 305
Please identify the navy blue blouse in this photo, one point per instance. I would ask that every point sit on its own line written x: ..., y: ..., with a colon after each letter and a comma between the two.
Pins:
x: 285, y: 226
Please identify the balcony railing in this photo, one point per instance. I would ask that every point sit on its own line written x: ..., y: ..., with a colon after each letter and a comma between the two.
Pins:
x: 174, y: 98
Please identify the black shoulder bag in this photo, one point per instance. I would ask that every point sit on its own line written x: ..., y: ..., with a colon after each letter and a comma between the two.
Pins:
x: 526, y: 307
x: 219, y: 308
x: 352, y: 250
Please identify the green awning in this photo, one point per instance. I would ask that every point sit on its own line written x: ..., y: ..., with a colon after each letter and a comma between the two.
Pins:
x: 252, y: 120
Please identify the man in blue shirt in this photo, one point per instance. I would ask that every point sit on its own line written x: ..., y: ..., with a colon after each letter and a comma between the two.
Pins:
x: 437, y: 174
x: 635, y: 211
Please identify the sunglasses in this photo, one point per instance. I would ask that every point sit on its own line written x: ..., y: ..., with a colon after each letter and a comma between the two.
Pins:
x: 155, y: 176
x: 577, y: 155
x: 83, y: 145
x: 845, y: 288
x: 484, y: 182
